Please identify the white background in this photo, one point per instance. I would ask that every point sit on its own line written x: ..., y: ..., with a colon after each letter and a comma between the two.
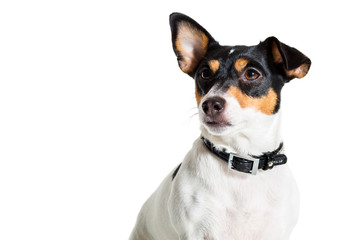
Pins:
x: 94, y: 111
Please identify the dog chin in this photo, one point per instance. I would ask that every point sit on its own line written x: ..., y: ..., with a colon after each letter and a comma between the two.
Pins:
x: 216, y: 128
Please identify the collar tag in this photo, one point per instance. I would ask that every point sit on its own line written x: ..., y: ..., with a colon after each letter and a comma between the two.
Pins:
x: 254, y: 168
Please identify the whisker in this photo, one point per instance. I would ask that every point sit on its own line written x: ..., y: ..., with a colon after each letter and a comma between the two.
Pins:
x: 192, y: 112
x: 194, y: 115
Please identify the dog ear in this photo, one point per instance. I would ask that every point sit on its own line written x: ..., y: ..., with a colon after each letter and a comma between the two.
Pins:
x: 294, y: 63
x: 190, y: 41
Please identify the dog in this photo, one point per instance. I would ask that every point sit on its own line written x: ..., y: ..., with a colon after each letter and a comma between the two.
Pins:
x: 234, y: 183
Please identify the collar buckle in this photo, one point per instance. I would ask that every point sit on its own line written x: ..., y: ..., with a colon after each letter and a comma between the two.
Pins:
x: 255, y: 163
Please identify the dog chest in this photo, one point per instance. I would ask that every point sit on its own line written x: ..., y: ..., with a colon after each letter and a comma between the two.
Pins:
x: 231, y: 205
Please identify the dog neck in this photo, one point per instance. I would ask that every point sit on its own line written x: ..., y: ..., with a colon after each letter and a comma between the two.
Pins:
x: 255, y: 136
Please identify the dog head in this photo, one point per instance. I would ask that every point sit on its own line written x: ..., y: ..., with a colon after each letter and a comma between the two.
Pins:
x: 235, y: 85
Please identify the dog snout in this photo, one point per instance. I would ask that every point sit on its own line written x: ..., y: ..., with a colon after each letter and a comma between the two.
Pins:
x: 213, y: 106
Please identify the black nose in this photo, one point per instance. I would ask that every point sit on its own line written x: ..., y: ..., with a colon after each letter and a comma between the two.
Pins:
x: 213, y: 106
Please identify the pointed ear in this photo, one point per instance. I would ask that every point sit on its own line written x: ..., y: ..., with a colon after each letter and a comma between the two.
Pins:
x: 294, y: 63
x: 190, y: 41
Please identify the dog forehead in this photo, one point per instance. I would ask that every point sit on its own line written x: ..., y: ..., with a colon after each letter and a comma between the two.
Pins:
x: 227, y: 52
x: 228, y: 55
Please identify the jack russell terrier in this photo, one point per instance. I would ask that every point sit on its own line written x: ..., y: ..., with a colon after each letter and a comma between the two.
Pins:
x: 234, y: 183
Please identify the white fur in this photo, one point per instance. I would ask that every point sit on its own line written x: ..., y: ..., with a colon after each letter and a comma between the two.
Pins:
x: 231, y: 51
x: 207, y: 201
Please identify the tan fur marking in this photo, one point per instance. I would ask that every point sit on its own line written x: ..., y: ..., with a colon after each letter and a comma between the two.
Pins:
x: 205, y: 41
x: 198, y: 96
x: 299, y: 72
x: 240, y: 64
x: 276, y: 54
x: 265, y: 104
x: 192, y: 44
x: 214, y: 65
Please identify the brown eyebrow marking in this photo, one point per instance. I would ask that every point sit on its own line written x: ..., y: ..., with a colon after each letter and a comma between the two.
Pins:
x: 214, y: 65
x: 240, y: 64
x: 198, y: 96
x: 265, y: 104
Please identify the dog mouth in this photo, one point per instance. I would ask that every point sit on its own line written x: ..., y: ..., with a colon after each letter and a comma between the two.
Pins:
x: 216, y: 127
x: 217, y: 124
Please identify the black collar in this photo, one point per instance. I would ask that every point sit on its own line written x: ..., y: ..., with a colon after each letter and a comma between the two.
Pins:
x: 266, y: 161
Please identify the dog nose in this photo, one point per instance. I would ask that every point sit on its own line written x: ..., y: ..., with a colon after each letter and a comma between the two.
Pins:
x: 213, y: 106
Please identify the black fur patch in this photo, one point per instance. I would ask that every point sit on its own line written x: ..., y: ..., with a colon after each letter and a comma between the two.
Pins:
x: 258, y: 58
x: 175, y: 172
x: 274, y: 73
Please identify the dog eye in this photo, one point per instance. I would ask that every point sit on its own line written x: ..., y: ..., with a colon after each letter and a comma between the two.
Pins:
x: 251, y: 74
x: 206, y: 74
